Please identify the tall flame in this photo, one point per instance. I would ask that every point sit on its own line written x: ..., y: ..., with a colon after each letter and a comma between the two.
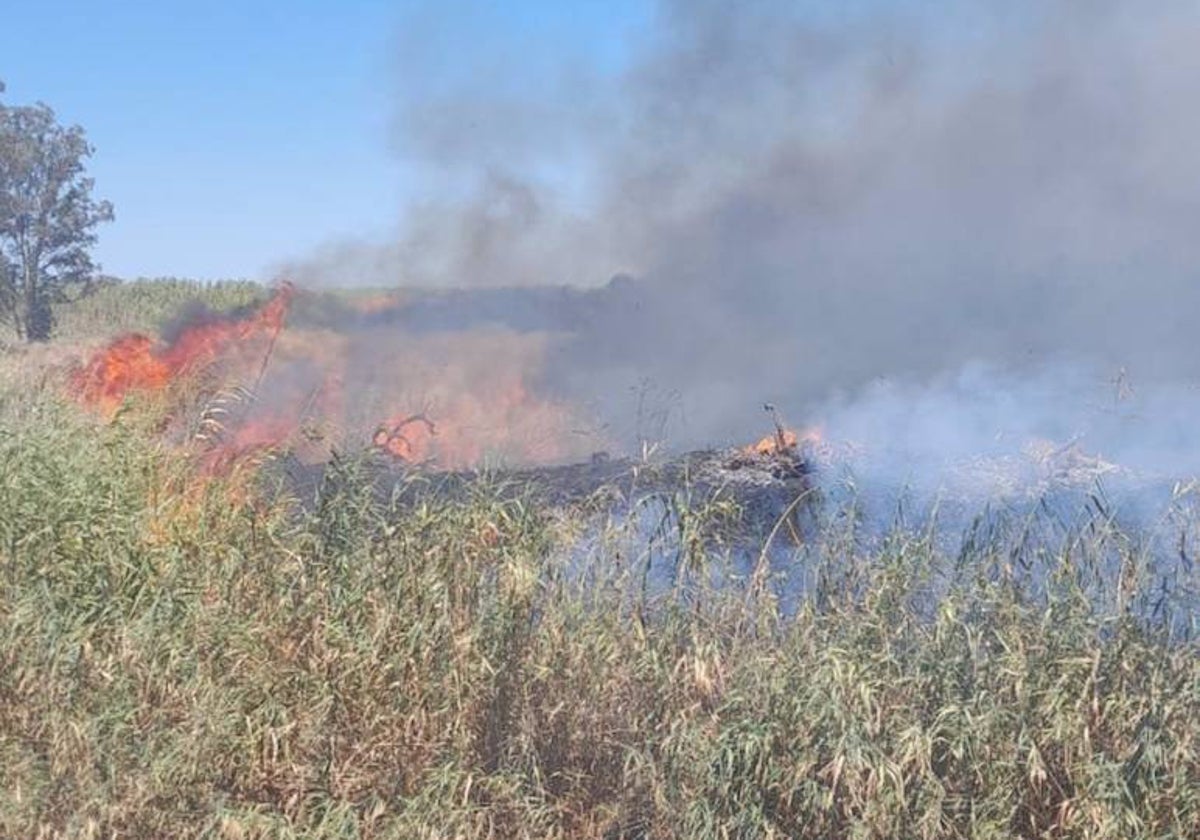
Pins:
x: 137, y: 363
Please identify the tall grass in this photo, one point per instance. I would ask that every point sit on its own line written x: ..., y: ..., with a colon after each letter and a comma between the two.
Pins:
x: 145, y: 305
x: 183, y: 660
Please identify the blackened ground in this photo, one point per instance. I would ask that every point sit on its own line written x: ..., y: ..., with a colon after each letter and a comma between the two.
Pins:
x: 762, y: 488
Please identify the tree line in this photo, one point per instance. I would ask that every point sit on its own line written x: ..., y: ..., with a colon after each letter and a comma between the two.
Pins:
x: 48, y: 216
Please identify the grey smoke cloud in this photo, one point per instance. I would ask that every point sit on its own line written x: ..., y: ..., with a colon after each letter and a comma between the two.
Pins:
x: 812, y: 206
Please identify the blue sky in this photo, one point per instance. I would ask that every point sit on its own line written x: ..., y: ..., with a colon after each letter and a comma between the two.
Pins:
x: 232, y: 136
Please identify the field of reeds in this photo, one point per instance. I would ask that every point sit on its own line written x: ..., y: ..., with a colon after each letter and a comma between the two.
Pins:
x: 216, y: 659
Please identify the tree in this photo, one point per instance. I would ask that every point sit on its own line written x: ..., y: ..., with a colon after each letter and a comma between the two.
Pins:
x: 47, y: 216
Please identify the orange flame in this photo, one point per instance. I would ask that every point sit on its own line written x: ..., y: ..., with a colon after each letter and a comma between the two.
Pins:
x: 250, y: 439
x: 502, y: 419
x: 407, y: 438
x: 452, y: 399
x: 134, y: 363
x: 785, y: 440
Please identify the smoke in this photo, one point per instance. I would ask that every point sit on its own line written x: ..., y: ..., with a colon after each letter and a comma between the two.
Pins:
x: 839, y: 213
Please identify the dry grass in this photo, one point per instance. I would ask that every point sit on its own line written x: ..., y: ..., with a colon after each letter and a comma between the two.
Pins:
x: 352, y: 668
x: 146, y: 305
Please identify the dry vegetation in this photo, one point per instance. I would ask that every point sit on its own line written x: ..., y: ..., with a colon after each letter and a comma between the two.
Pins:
x: 198, y: 662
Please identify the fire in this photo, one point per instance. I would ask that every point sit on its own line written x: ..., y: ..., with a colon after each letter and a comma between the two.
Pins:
x: 137, y: 363
x: 407, y: 439
x: 447, y: 400
x: 502, y: 419
x: 250, y: 439
x: 785, y: 440
x: 442, y: 399
x: 129, y: 363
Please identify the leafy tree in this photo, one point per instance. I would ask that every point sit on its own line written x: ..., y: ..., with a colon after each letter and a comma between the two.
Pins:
x: 47, y: 216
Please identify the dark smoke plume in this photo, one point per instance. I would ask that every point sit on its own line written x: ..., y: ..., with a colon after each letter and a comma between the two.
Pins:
x: 831, y: 211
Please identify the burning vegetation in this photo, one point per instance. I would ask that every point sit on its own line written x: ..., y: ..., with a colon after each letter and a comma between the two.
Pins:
x: 239, y: 384
x: 398, y: 377
x: 137, y: 363
x: 404, y: 669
